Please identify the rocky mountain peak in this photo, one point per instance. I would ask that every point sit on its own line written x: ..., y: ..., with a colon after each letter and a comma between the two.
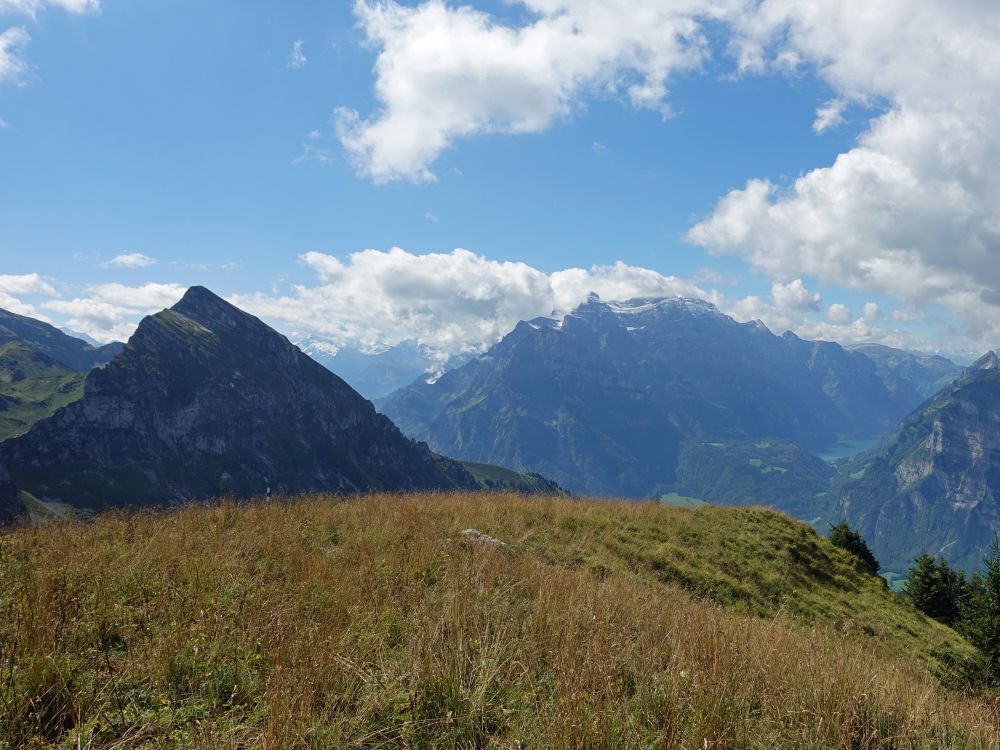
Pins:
x: 207, y: 400
x: 988, y: 361
x: 210, y: 310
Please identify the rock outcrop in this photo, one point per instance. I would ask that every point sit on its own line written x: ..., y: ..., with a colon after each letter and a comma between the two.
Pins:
x: 934, y: 483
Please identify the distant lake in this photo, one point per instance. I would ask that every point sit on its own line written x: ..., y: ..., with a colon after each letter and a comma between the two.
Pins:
x: 845, y: 448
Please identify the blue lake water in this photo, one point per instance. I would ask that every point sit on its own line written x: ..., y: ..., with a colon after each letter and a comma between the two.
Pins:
x: 848, y: 448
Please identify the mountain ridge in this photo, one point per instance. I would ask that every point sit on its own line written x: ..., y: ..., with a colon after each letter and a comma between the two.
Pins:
x: 658, y: 371
x: 72, y: 352
x: 207, y: 400
x: 933, y: 483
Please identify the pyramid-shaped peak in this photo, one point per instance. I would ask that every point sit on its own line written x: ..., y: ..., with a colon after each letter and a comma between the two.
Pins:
x: 199, y: 295
x: 206, y: 307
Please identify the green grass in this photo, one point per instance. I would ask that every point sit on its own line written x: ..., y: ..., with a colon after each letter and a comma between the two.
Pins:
x: 32, y: 386
x: 374, y: 623
x: 681, y: 501
x: 493, y: 477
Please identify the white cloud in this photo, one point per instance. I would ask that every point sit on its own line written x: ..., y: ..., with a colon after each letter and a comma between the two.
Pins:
x: 795, y: 296
x: 871, y: 312
x: 110, y: 312
x: 31, y: 7
x: 297, y: 59
x: 12, y: 65
x: 838, y: 313
x: 130, y: 260
x: 913, y: 210
x: 830, y: 115
x: 312, y: 151
x: 445, y: 73
x: 453, y: 302
x: 15, y: 286
x: 28, y: 283
x: 840, y: 325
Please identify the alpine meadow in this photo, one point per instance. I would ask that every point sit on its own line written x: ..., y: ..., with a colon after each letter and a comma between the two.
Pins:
x: 514, y: 375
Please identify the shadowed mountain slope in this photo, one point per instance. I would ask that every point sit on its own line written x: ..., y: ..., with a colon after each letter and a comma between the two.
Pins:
x: 72, y: 352
x: 603, y: 400
x: 206, y: 400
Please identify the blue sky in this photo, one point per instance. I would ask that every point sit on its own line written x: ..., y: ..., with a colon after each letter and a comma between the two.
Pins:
x: 187, y: 133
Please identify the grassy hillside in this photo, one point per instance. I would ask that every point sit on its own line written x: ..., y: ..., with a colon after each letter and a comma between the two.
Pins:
x: 32, y: 386
x: 493, y: 477
x: 376, y: 623
x: 755, y: 472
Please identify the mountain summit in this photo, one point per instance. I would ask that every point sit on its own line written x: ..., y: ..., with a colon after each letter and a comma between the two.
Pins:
x: 207, y: 400
x: 602, y: 400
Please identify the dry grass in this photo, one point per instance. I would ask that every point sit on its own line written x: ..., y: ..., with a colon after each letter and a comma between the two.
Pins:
x: 373, y: 623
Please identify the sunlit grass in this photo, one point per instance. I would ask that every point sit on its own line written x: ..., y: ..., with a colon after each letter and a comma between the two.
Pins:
x: 320, y: 623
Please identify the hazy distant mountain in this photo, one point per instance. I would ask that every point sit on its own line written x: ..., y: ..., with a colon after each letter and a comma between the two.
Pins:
x: 206, y: 400
x: 32, y: 386
x: 911, y: 377
x: 934, y: 483
x: 70, y: 351
x: 602, y: 401
x: 377, y: 374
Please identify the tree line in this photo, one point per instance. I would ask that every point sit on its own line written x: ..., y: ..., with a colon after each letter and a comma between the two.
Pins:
x: 969, y: 604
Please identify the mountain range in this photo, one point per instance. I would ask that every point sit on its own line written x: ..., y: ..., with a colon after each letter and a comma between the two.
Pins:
x: 666, y: 398
x: 616, y: 397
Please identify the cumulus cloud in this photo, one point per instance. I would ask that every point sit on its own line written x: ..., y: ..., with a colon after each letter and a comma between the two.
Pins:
x: 840, y: 325
x: 110, y: 312
x: 795, y: 296
x: 28, y: 283
x: 12, y: 64
x: 13, y: 67
x: 15, y: 286
x: 130, y: 260
x: 445, y: 73
x: 913, y: 210
x: 452, y: 303
x: 297, y: 59
x: 838, y: 313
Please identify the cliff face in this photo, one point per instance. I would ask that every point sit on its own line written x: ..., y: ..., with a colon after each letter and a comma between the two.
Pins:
x: 602, y: 400
x: 934, y: 483
x: 207, y: 400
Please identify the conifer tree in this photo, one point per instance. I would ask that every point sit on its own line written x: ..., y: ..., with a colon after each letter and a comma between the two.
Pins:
x: 936, y: 589
x: 982, y: 621
x: 847, y: 538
